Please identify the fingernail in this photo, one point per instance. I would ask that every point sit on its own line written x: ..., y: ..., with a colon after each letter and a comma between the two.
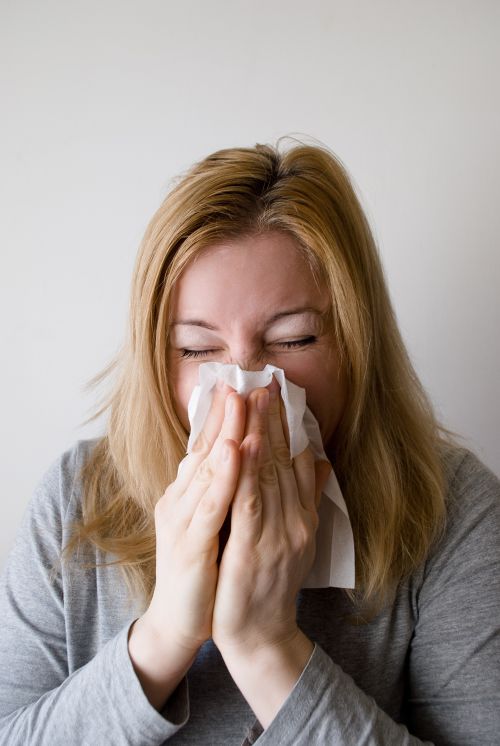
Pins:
x: 226, y: 452
x: 263, y: 401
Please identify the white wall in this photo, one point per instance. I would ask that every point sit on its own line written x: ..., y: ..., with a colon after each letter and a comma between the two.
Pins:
x: 104, y: 102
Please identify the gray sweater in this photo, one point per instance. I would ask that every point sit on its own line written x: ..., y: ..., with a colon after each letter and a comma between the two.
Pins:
x: 427, y: 668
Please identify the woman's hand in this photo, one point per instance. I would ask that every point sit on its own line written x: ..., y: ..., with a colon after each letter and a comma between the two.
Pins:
x: 188, y: 519
x: 269, y: 552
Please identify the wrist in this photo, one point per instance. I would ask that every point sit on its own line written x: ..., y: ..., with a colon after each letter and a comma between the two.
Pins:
x: 267, y: 672
x: 159, y: 663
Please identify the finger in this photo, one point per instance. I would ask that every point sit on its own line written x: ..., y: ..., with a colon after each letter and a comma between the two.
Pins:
x: 275, y: 387
x: 277, y: 431
x: 213, y: 423
x: 213, y: 504
x: 322, y: 471
x: 231, y: 427
x: 246, y: 512
x: 257, y: 426
x: 281, y: 452
x: 305, y: 475
x: 257, y: 405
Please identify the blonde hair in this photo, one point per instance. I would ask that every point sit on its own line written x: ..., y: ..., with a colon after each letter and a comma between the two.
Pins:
x: 388, y: 447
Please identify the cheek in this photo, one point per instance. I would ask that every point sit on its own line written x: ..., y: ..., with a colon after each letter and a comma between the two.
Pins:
x: 324, y: 384
x: 183, y: 379
x: 313, y: 378
x: 325, y: 390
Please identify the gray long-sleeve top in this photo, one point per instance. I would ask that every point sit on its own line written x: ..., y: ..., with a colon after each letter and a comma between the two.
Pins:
x: 426, y: 669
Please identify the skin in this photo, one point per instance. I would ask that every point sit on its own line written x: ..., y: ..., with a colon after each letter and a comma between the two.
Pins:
x: 271, y: 276
x: 241, y: 463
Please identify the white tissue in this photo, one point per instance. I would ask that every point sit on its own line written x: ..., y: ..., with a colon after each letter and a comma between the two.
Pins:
x: 334, y: 562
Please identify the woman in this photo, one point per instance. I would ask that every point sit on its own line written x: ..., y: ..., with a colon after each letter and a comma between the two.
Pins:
x: 178, y: 610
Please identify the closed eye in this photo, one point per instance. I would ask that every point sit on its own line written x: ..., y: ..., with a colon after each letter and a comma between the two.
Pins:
x: 289, y: 345
x: 196, y: 353
x: 294, y: 343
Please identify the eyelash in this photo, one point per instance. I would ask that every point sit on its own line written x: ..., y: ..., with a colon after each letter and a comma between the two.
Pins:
x: 293, y: 344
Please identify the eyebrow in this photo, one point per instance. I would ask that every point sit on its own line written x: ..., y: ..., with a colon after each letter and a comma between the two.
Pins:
x: 270, y: 320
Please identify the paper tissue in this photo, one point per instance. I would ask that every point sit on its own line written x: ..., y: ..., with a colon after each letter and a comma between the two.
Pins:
x: 334, y: 562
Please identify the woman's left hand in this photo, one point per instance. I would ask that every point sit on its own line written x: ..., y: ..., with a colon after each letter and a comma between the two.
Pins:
x: 269, y: 552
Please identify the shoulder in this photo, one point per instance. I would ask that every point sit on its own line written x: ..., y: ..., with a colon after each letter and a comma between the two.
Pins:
x: 473, y: 489
x: 471, y: 537
x: 57, y: 492
x: 455, y: 645
x: 465, y: 472
x: 48, y: 516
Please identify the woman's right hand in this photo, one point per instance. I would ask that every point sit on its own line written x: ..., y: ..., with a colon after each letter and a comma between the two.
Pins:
x: 188, y: 518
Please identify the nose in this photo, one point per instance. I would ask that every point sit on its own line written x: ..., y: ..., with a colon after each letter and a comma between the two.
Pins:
x: 248, y: 359
x: 248, y: 364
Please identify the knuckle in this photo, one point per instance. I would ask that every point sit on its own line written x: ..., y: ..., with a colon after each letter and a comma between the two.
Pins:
x: 208, y: 505
x: 252, y: 505
x: 204, y: 472
x: 281, y: 455
x: 281, y: 552
x: 255, y: 393
x: 201, y: 444
x: 267, y: 473
x: 302, y: 538
x: 306, y: 461
x: 259, y: 427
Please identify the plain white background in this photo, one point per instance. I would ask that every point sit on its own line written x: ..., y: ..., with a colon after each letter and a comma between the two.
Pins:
x: 104, y: 102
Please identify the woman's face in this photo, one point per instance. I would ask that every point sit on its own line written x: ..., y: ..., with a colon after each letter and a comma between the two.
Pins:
x: 254, y: 301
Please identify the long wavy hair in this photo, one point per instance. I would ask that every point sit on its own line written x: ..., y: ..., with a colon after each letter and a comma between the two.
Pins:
x: 388, y: 447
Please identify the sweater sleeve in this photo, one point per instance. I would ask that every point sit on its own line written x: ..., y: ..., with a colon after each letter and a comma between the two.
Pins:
x: 40, y: 703
x: 454, y: 657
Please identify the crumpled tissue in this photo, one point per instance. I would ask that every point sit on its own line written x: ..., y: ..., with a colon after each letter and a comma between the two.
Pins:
x: 334, y: 561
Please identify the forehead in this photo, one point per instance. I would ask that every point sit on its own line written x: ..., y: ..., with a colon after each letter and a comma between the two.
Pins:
x: 267, y: 270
